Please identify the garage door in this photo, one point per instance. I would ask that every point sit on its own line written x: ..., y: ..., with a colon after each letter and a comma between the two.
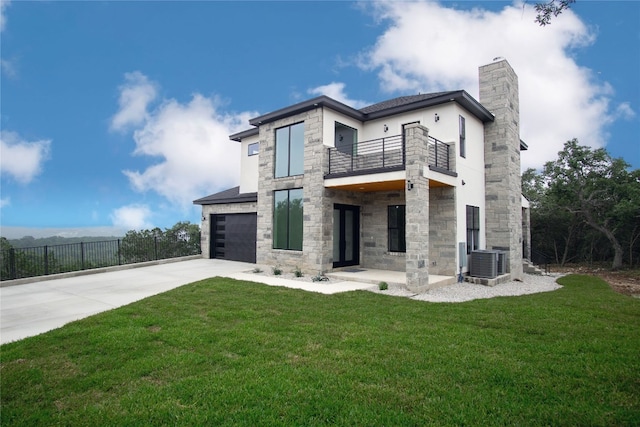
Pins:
x: 233, y: 237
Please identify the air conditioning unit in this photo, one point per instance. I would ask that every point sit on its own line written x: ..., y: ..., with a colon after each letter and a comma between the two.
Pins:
x: 484, y: 264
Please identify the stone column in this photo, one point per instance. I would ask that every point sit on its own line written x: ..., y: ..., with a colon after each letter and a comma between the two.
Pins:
x: 417, y: 208
x: 499, y: 94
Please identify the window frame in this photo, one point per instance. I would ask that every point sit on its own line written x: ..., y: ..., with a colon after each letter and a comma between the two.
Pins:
x: 255, y: 145
x: 282, y: 159
x: 400, y: 229
x: 462, y: 128
x: 286, y: 228
x: 473, y: 228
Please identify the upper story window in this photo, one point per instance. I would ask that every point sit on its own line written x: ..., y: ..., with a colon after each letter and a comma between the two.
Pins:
x: 463, y: 138
x: 346, y: 138
x: 254, y: 149
x: 289, y: 150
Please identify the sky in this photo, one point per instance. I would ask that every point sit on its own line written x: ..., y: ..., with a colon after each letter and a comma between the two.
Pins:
x: 115, y: 115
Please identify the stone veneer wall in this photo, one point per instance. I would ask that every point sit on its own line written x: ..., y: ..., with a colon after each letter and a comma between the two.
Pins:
x: 228, y: 208
x: 374, y: 222
x: 417, y: 210
x: 442, y: 231
x: 499, y: 94
x: 316, y: 247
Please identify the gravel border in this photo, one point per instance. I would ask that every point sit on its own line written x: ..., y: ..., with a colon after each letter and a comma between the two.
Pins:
x: 461, y: 292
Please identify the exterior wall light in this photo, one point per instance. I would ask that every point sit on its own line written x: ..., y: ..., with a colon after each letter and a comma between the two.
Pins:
x: 409, y: 185
x: 436, y: 118
x: 386, y: 128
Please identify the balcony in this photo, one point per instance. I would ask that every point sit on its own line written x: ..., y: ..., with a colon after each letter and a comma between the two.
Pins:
x: 382, y: 155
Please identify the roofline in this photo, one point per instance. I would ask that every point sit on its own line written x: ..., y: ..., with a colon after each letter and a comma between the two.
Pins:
x: 244, y: 134
x: 461, y: 97
x: 301, y: 107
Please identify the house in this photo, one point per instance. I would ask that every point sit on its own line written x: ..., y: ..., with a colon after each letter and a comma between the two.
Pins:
x: 412, y: 184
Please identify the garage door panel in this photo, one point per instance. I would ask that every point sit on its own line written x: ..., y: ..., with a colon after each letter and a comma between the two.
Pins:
x: 234, y: 237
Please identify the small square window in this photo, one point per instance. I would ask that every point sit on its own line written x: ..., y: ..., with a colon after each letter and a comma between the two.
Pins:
x: 254, y: 148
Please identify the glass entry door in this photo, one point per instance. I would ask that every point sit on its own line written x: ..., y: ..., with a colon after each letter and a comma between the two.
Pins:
x: 346, y: 235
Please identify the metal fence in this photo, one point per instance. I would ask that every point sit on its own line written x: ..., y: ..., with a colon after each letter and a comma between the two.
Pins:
x: 18, y: 263
x: 382, y: 153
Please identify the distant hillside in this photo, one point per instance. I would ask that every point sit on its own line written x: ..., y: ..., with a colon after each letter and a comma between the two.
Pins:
x: 30, y: 242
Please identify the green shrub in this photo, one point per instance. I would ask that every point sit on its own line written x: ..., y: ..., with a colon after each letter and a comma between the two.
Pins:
x: 383, y: 286
x: 297, y: 272
x: 276, y: 270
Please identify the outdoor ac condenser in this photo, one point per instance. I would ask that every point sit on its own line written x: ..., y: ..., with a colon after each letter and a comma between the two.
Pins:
x: 484, y: 264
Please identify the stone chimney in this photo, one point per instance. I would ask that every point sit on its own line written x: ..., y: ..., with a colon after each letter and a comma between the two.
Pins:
x: 503, y: 215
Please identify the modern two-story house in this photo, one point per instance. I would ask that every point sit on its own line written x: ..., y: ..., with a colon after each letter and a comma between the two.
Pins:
x: 411, y: 184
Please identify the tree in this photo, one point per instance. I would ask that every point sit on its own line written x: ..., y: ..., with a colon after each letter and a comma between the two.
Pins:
x: 547, y: 9
x: 598, y: 190
x: 148, y: 245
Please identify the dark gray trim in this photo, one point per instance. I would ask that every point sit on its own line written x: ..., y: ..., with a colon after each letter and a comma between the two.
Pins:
x: 244, y: 134
x: 301, y: 107
x: 376, y: 111
x: 231, y: 195
x: 523, y: 146
x: 443, y: 170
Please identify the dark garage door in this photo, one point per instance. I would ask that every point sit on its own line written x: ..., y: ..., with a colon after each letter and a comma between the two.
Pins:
x: 233, y: 237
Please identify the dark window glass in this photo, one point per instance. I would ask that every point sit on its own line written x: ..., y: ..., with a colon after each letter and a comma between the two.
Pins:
x: 287, y: 219
x: 396, y: 228
x: 346, y: 139
x: 289, y: 151
x: 473, y: 228
x: 463, y: 138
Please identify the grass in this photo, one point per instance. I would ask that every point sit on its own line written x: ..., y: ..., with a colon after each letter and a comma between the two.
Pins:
x: 225, y: 352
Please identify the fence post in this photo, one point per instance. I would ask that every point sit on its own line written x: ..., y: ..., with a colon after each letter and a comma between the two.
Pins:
x: 81, y: 255
x: 155, y: 246
x: 13, y: 268
x: 46, y: 260
x: 119, y: 254
x: 384, y: 153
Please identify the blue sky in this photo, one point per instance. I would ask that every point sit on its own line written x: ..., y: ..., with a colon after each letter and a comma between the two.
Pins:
x: 116, y: 115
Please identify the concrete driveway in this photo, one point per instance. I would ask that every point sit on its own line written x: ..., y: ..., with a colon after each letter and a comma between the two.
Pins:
x: 33, y: 308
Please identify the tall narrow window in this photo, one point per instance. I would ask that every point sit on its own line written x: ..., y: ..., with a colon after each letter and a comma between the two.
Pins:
x: 473, y: 228
x: 396, y: 228
x: 287, y: 219
x: 463, y: 138
x: 253, y: 149
x: 289, y: 150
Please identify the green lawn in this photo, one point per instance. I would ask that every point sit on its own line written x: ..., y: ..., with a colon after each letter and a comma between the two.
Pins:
x: 226, y: 352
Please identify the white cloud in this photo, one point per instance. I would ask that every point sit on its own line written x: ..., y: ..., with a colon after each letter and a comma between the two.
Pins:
x: 20, y: 159
x: 192, y: 142
x: 3, y: 18
x: 336, y: 91
x: 428, y: 47
x: 135, y: 96
x: 6, y: 201
x: 8, y: 68
x: 132, y: 217
x: 624, y: 111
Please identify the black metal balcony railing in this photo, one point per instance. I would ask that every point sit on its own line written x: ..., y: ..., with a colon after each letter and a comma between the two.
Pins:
x: 381, y: 154
x: 18, y: 263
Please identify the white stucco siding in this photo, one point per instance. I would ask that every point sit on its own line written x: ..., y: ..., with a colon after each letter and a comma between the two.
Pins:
x: 249, y: 166
x: 470, y: 169
x: 329, y: 119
